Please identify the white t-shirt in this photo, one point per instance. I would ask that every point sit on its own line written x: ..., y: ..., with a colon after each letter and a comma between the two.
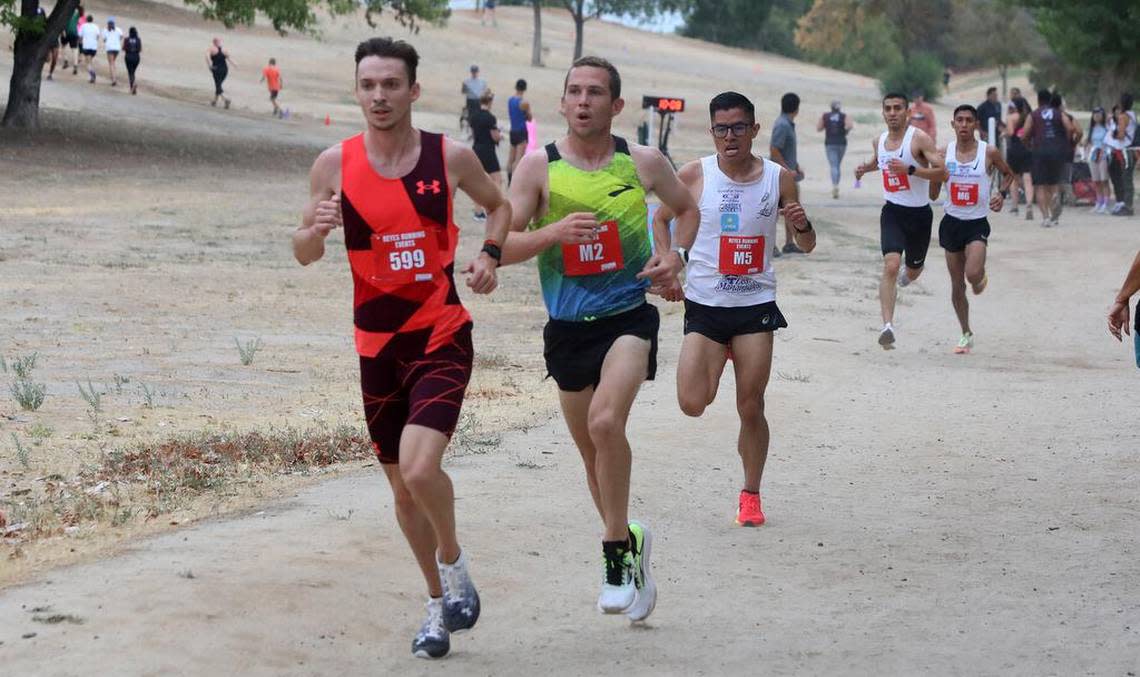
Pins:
x: 89, y: 34
x: 113, y: 40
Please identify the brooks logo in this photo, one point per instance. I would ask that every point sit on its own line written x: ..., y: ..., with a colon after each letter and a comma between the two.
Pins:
x: 621, y: 190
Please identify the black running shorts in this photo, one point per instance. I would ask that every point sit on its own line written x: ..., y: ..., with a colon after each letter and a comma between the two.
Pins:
x: 1047, y: 167
x: 414, y: 389
x: 519, y: 136
x: 487, y: 157
x: 722, y: 324
x: 906, y: 231
x: 954, y: 233
x: 575, y: 351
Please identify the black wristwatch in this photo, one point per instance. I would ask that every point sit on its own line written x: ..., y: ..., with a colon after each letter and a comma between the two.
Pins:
x: 805, y: 230
x: 684, y: 254
x: 911, y: 170
x: 1005, y: 195
x: 492, y: 249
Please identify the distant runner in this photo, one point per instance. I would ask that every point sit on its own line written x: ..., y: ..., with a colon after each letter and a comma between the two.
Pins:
x: 836, y: 125
x: 908, y: 160
x: 392, y: 189
x: 965, y: 229
x: 89, y: 45
x: 132, y: 54
x: 112, y: 45
x: 518, y: 109
x: 730, y: 283
x: 219, y: 62
x: 271, y: 76
x: 1048, y: 132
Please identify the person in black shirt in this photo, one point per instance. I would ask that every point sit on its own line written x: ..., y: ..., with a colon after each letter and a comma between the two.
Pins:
x: 132, y: 49
x: 485, y: 137
x: 990, y: 108
x: 835, y: 124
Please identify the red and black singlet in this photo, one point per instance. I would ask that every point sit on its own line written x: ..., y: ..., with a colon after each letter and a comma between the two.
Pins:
x: 401, y: 243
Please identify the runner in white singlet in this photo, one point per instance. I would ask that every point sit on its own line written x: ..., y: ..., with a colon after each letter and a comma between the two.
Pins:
x: 907, y: 158
x: 965, y: 230
x: 730, y: 286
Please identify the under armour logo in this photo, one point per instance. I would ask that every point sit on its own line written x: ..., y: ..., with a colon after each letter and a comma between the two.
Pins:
x: 422, y: 187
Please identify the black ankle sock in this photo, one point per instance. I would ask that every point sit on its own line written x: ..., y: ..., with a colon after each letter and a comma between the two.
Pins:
x: 754, y: 493
x: 614, y: 549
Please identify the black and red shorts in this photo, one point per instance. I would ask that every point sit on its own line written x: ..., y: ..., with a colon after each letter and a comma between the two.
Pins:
x: 414, y: 389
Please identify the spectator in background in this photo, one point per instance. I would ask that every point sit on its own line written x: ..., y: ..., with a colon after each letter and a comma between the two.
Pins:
x: 69, y: 40
x: 218, y: 60
x: 518, y: 109
x: 835, y: 124
x: 132, y: 54
x: 1097, y: 156
x: 488, y: 9
x: 112, y: 45
x: 1121, y: 136
x: 782, y: 149
x: 89, y: 45
x: 990, y: 109
x: 271, y: 76
x: 473, y: 88
x: 1018, y: 155
x: 922, y: 115
x: 485, y: 137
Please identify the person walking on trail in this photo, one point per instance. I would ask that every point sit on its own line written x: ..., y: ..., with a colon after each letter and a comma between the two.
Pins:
x: 1118, y: 311
x: 965, y: 229
x: 53, y: 52
x: 132, y: 55
x: 782, y: 151
x: 218, y: 60
x: 488, y: 10
x: 392, y: 188
x: 1121, y: 161
x: 579, y: 207
x: 89, y: 45
x: 922, y: 116
x: 518, y: 109
x: 69, y: 41
x: 1097, y: 153
x: 1049, y: 133
x: 836, y: 125
x: 112, y: 45
x: 1018, y: 155
x: 908, y: 160
x: 473, y: 88
x: 271, y: 76
x: 485, y: 138
x: 990, y: 109
x: 730, y: 283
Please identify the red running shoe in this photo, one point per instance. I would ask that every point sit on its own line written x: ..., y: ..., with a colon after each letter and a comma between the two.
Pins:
x: 749, y: 513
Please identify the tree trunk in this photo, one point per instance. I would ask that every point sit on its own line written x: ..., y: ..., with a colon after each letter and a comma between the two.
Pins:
x: 23, y: 109
x: 536, y: 50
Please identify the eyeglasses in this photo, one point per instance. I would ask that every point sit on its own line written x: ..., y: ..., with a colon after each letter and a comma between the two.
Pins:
x: 738, y: 130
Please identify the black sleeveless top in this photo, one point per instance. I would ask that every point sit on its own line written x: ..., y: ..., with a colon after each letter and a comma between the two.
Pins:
x: 218, y: 60
x: 835, y: 129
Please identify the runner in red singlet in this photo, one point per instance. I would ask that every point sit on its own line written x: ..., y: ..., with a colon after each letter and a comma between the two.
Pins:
x: 391, y: 189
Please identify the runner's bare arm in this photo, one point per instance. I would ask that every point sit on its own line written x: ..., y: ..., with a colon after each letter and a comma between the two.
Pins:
x: 526, y: 193
x: 923, y: 149
x: 526, y: 109
x: 794, y: 214
x: 690, y: 175
x: 657, y: 175
x: 322, y: 211
x: 819, y: 123
x: 870, y: 165
x: 464, y: 165
x: 1118, y: 313
x: 996, y: 160
x: 935, y: 188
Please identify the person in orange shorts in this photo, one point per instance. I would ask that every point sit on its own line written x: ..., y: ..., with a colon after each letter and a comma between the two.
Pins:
x: 271, y: 76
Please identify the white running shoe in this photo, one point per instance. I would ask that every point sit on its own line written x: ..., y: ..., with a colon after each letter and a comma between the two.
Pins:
x: 432, y: 641
x: 641, y: 541
x: 904, y: 279
x: 887, y: 337
x: 460, y: 599
x: 619, y: 591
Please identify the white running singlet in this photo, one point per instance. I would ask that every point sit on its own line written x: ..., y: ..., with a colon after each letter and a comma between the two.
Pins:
x: 906, y: 190
x: 729, y: 264
x: 969, y: 184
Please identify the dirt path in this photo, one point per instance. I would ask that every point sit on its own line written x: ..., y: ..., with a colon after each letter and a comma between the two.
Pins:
x: 928, y: 513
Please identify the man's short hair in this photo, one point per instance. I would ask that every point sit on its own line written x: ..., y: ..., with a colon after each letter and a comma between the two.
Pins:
x: 520, y: 85
x: 966, y: 107
x: 896, y: 95
x: 1126, y: 101
x: 391, y: 49
x: 272, y: 61
x: 732, y: 101
x: 991, y: 90
x: 597, y: 62
x: 1044, y: 98
x: 789, y: 103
